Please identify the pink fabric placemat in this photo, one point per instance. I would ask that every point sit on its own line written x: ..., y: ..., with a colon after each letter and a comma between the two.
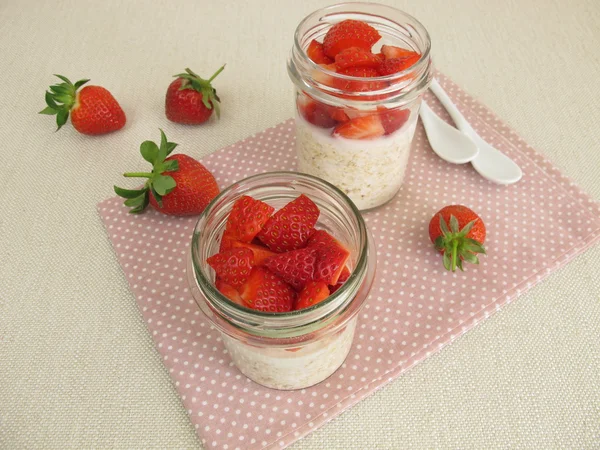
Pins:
x: 415, y: 307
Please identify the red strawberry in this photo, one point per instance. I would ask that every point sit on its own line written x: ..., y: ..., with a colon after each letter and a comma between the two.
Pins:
x: 230, y: 292
x: 395, y: 65
x: 246, y: 219
x: 459, y: 233
x: 365, y: 127
x: 331, y: 257
x: 177, y: 185
x: 356, y: 57
x: 323, y: 77
x: 344, y: 275
x: 93, y: 109
x: 338, y: 114
x: 389, y: 51
x: 190, y: 99
x: 295, y: 267
x: 341, y: 280
x: 313, y: 293
x: 357, y: 85
x: 392, y: 119
x: 290, y: 227
x: 260, y: 253
x: 232, y: 266
x: 265, y: 291
x: 315, y: 112
x: 316, y: 54
x: 349, y: 33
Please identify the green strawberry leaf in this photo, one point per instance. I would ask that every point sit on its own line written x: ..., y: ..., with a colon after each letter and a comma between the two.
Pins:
x: 135, y: 201
x: 443, y: 226
x: 50, y: 101
x: 80, y: 83
x: 454, y: 224
x: 49, y: 111
x: 65, y: 79
x: 170, y: 166
x: 447, y: 261
x: 163, y: 184
x: 170, y: 147
x: 149, y: 151
x: 61, y: 118
x: 128, y: 193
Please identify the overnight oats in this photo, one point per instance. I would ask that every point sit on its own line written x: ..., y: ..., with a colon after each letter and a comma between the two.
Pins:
x: 360, y: 71
x: 281, y: 264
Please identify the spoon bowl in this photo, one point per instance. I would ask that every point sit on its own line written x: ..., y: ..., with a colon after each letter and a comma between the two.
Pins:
x: 446, y: 141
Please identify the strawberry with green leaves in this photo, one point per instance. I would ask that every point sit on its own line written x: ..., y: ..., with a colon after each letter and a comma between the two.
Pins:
x: 191, y: 99
x: 177, y: 185
x: 93, y: 109
x: 458, y: 233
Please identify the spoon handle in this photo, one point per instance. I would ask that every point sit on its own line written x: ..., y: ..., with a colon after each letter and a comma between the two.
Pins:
x: 457, y: 117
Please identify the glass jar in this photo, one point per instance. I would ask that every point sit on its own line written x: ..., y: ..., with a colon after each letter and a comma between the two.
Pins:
x: 370, y: 170
x: 300, y: 348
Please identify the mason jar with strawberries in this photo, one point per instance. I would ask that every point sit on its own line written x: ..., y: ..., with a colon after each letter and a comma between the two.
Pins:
x: 360, y: 71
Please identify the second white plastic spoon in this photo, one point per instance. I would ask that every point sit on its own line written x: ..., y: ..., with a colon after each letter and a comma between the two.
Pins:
x: 491, y: 163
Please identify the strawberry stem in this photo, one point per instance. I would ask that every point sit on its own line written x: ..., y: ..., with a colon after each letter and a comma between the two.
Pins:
x: 454, y: 253
x: 216, y: 73
x: 138, y: 175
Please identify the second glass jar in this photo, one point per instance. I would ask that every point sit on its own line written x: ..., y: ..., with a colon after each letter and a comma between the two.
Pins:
x: 370, y: 169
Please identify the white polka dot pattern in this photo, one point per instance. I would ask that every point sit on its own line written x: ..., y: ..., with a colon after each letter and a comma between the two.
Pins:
x: 415, y: 307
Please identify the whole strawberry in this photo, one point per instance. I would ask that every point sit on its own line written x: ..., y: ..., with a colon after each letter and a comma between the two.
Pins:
x: 459, y: 233
x: 190, y: 99
x: 93, y: 109
x: 178, y: 185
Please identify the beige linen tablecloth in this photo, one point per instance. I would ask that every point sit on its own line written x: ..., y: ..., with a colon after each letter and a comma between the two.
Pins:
x: 77, y: 366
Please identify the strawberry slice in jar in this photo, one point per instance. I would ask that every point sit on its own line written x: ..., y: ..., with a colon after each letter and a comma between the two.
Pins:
x: 357, y: 128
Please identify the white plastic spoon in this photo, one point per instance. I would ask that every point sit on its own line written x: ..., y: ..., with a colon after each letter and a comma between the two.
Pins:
x: 445, y: 140
x: 491, y: 163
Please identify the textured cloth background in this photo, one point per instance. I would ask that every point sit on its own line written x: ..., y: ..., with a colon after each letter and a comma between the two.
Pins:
x: 77, y: 366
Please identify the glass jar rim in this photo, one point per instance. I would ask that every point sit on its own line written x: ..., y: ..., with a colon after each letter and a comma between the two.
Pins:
x: 423, y: 67
x: 296, y: 322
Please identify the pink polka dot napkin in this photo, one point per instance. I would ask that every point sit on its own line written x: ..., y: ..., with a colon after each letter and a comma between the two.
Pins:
x: 415, y: 307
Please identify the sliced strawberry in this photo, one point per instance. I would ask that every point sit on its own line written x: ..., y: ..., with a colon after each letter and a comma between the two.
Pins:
x: 380, y: 55
x: 392, y: 119
x: 247, y: 218
x: 349, y: 33
x: 315, y: 112
x: 344, y: 275
x: 316, y: 54
x: 395, y: 65
x: 295, y: 267
x: 323, y: 77
x: 356, y: 57
x: 261, y: 253
x: 356, y: 85
x: 341, y: 280
x: 365, y: 127
x: 265, y: 291
x: 290, y: 227
x: 313, y: 293
x: 331, y: 257
x: 389, y: 51
x: 230, y: 292
x: 338, y: 114
x: 233, y: 266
